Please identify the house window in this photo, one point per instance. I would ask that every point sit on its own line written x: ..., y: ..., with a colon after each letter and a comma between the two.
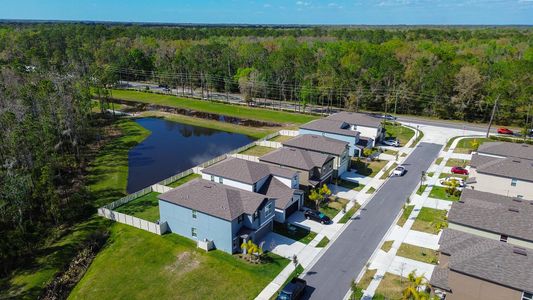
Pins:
x: 255, y: 215
x: 513, y: 182
x: 503, y: 238
x: 268, y: 209
x: 212, y: 178
x: 220, y: 180
x: 527, y: 296
x: 194, y: 232
x: 254, y: 186
x: 240, y: 219
x: 194, y: 214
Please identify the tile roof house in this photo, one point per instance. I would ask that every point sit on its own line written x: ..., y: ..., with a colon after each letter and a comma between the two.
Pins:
x: 272, y: 181
x: 474, y: 267
x: 315, y: 168
x: 227, y: 216
x: 321, y: 144
x: 493, y: 216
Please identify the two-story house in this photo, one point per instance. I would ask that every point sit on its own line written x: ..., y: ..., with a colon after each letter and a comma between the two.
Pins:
x: 272, y: 181
x: 338, y: 130
x: 325, y: 145
x: 227, y: 216
x: 369, y: 127
x: 315, y: 168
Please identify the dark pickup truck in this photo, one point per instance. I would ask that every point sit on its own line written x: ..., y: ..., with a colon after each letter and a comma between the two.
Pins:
x: 293, y: 290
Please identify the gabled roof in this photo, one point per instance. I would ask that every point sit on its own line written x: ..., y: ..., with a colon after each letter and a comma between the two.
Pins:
x: 214, y: 199
x: 511, y: 167
x: 507, y: 149
x: 358, y: 119
x: 296, y: 158
x: 488, y: 259
x: 317, y: 143
x: 246, y: 171
x: 478, y: 160
x: 330, y: 126
x: 491, y: 212
x: 273, y: 188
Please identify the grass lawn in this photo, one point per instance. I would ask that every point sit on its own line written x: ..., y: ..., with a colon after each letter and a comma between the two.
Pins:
x: 401, y: 133
x: 366, y: 278
x: 366, y: 168
x: 390, y: 152
x: 439, y: 192
x: 444, y: 175
x: 257, y: 150
x: 438, y: 161
x: 140, y: 265
x: 387, y: 245
x: 298, y: 233
x: 332, y: 207
x: 349, y: 214
x: 421, y: 189
x: 254, y: 132
x: 145, y: 207
x: 391, y: 287
x: 430, y: 174
x: 450, y: 142
x: 465, y: 145
x: 107, y: 177
x: 281, y: 138
x: 95, y: 104
x: 351, y: 185
x: 405, y: 215
x: 371, y: 190
x: 418, y: 253
x: 427, y: 219
x: 418, y: 138
x: 184, y: 180
x: 323, y: 242
x: 454, y: 162
x: 215, y: 107
x: 386, y: 174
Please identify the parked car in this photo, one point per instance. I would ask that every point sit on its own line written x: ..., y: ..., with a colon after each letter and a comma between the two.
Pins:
x: 459, y: 170
x: 448, y: 179
x: 503, y: 130
x: 388, y: 117
x: 391, y: 142
x: 293, y: 290
x: 399, y: 171
x: 315, y: 215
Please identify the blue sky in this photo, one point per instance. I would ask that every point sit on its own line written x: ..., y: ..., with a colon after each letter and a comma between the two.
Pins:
x: 372, y: 12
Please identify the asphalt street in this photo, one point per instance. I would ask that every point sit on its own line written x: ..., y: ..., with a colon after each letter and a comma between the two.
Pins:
x: 330, y: 276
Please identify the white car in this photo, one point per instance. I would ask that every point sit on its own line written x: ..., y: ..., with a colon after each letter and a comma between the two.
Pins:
x: 399, y: 171
x: 460, y: 181
x: 391, y: 142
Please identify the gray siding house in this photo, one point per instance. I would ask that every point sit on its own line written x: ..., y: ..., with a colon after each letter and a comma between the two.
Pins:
x: 203, y: 210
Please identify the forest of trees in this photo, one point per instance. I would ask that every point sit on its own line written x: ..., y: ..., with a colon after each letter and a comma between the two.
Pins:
x: 46, y: 71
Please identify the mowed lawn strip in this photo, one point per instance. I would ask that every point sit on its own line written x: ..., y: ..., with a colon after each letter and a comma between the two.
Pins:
x: 349, y: 214
x: 137, y: 264
x: 405, y: 215
x: 428, y: 218
x: 215, y: 107
x: 257, y: 151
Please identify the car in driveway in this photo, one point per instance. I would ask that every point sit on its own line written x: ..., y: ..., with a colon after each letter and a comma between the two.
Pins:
x: 459, y: 170
x: 293, y: 290
x: 317, y: 216
x: 503, y: 130
x: 391, y: 142
x: 399, y: 171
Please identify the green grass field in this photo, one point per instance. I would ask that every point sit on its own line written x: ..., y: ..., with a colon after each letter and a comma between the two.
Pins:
x: 140, y: 265
x: 466, y: 145
x: 439, y: 192
x: 405, y: 215
x: 145, y: 207
x: 215, y: 107
x: 323, y: 242
x: 257, y: 150
x: 349, y: 214
x: 428, y: 218
x: 387, y: 245
x: 368, y: 168
x: 184, y: 180
x: 454, y: 162
x: 401, y: 133
x: 418, y: 253
x: 421, y: 189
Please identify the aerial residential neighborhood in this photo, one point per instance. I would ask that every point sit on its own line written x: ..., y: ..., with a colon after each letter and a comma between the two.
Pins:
x: 287, y: 150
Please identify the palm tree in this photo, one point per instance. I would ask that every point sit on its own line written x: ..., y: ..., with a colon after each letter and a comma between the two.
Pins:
x: 416, y: 290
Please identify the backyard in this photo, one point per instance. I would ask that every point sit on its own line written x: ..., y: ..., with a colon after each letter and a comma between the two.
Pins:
x: 368, y: 168
x: 257, y: 150
x: 184, y: 180
x: 430, y: 220
x: 281, y: 138
x: 145, y: 207
x: 135, y: 259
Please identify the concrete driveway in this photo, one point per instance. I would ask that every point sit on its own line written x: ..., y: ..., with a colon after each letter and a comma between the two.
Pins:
x: 330, y: 276
x: 328, y: 230
x: 281, y: 245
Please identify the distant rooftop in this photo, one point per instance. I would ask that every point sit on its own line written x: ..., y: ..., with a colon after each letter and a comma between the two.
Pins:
x: 331, y: 126
x: 507, y: 149
x: 511, y: 167
x: 495, y: 213
x: 296, y: 158
x: 358, y: 119
x: 246, y: 171
x: 488, y: 259
x: 317, y: 143
x: 214, y: 199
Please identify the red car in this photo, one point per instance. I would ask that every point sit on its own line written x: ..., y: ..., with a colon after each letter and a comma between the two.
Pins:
x: 459, y: 170
x: 504, y: 131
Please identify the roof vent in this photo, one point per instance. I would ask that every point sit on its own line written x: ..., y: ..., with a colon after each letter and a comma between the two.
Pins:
x: 520, y: 251
x: 513, y: 209
x: 207, y: 186
x: 516, y: 161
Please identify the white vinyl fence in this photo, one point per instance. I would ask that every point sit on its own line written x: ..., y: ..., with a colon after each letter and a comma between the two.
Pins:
x: 288, y: 132
x: 269, y: 144
x: 246, y: 157
x: 133, y: 221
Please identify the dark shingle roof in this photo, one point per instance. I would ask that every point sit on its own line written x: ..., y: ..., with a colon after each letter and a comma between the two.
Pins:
x: 491, y: 212
x: 330, y: 126
x: 214, y: 199
x: 273, y: 188
x: 511, y: 167
x: 356, y: 118
x: 246, y: 171
x: 478, y: 160
x: 317, y: 143
x: 296, y: 158
x: 439, y: 278
x: 488, y: 259
x: 507, y: 149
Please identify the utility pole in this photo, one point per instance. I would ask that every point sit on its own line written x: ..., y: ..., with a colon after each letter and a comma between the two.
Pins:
x: 492, y: 115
